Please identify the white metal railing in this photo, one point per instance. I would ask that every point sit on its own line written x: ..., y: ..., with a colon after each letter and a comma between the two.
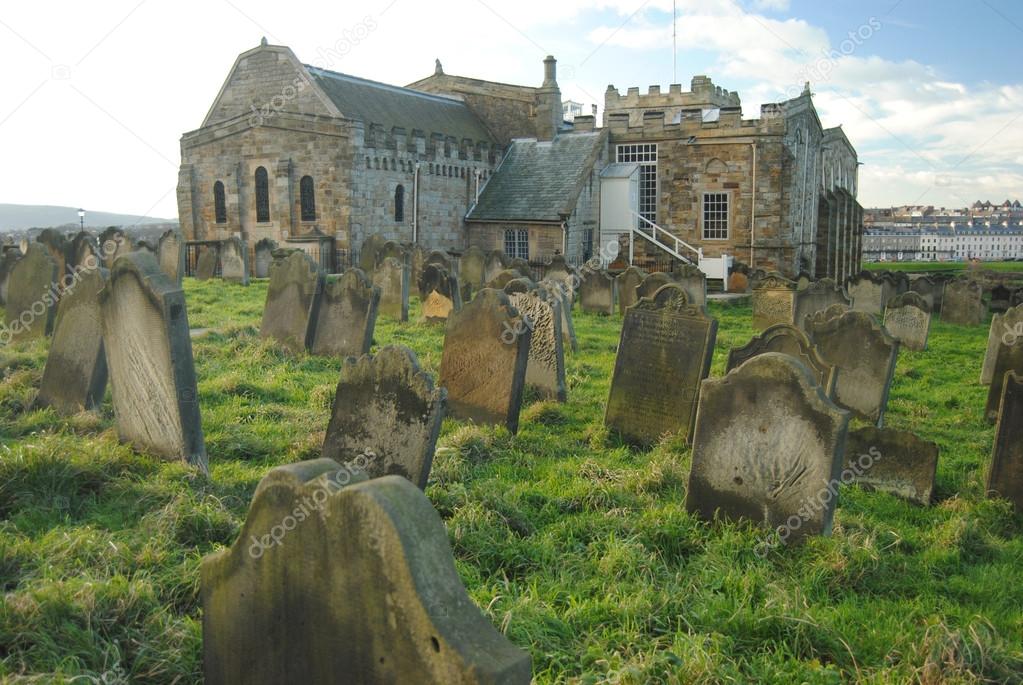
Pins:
x: 673, y: 245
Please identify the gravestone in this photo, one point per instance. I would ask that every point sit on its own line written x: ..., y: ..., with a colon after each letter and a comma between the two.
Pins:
x: 234, y: 261
x: 626, y: 284
x: 893, y: 461
x: 773, y: 301
x: 361, y: 588
x: 149, y: 357
x: 664, y: 353
x: 1006, y: 329
x: 296, y: 284
x: 345, y: 316
x: 146, y: 246
x: 738, y: 282
x: 758, y: 275
x: 57, y: 244
x: 206, y: 264
x: 597, y: 292
x: 693, y: 281
x: 787, y: 339
x: 1000, y: 298
x: 1008, y: 357
x: 483, y: 371
x: 112, y: 243
x: 1005, y: 475
x: 541, y: 313
x: 8, y: 258
x: 650, y: 284
x: 558, y: 269
x: 84, y: 251
x: 560, y: 291
x: 438, y: 293
x: 75, y: 376
x: 870, y: 292
x: 391, y: 250
x: 505, y: 277
x: 264, y: 257
x: 962, y: 303
x: 522, y: 266
x: 495, y: 263
x: 416, y: 263
x: 768, y: 447
x: 472, y: 267
x: 930, y: 289
x: 32, y: 294
x: 803, y: 280
x: 908, y: 318
x: 816, y: 296
x: 171, y: 252
x: 831, y: 312
x: 392, y: 278
x: 388, y: 409
x: 368, y: 252
x: 440, y: 258
x: 865, y: 355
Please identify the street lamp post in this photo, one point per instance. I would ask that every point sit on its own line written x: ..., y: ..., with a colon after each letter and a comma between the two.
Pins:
x: 81, y: 218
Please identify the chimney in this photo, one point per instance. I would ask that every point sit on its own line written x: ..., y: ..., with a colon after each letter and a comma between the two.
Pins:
x: 549, y: 114
x: 550, y: 72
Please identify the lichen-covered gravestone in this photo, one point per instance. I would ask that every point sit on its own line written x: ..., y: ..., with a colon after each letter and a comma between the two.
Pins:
x: 149, y: 356
x: 893, y: 461
x: 264, y: 257
x: 627, y: 282
x: 773, y: 301
x: 1007, y: 327
x: 387, y: 409
x: 75, y: 376
x: 545, y: 370
x: 787, y: 339
x: 472, y: 267
x: 438, y: 293
x: 962, y: 303
x: 345, y: 316
x: 768, y: 447
x: 1008, y: 357
x: 392, y: 277
x: 870, y: 292
x: 334, y: 582
x: 482, y: 369
x: 663, y: 355
x: 865, y: 354
x: 597, y: 291
x: 171, y: 252
x: 32, y: 294
x: 296, y: 284
x: 816, y: 296
x: 908, y: 318
x: 206, y: 264
x: 234, y: 261
x: 1005, y: 476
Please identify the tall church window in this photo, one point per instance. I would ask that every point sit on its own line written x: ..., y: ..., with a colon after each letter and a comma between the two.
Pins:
x: 219, y: 203
x: 516, y: 243
x: 645, y: 154
x: 399, y: 203
x: 307, y: 197
x: 262, y: 196
x: 715, y: 216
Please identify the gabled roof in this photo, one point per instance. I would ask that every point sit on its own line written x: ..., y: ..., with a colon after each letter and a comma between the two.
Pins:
x: 539, y: 181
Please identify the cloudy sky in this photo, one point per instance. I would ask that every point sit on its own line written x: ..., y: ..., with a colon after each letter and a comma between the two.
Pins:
x: 96, y: 95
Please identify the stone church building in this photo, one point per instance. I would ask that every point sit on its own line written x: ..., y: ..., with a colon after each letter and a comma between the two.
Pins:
x: 291, y: 151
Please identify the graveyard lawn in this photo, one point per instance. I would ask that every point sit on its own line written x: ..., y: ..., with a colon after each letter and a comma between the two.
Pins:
x: 575, y: 545
x: 952, y: 267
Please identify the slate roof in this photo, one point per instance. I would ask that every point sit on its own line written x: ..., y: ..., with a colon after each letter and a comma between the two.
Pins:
x: 380, y: 103
x: 539, y: 181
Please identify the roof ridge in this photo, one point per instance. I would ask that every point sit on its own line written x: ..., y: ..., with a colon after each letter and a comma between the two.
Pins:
x: 389, y: 86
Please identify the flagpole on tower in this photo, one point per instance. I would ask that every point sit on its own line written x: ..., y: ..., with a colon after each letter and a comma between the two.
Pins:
x: 674, y: 44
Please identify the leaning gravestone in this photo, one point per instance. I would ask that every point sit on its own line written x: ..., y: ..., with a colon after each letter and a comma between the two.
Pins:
x: 206, y: 264
x: 75, y: 376
x: 908, y: 318
x: 1006, y: 328
x: 773, y: 301
x: 345, y: 316
x: 483, y: 371
x: 893, y: 461
x: 1005, y: 476
x: 234, y: 261
x: 768, y: 447
x: 296, y: 284
x: 264, y: 257
x: 693, y: 281
x: 558, y: 290
x: 361, y: 588
x: 664, y: 353
x: 472, y: 267
x: 8, y: 258
x: 865, y: 355
x: 149, y: 356
x: 32, y: 294
x: 171, y: 252
x: 545, y: 370
x: 438, y: 293
x: 387, y: 409
x: 368, y: 252
x: 626, y: 284
x: 962, y: 303
x: 392, y: 277
x: 930, y: 289
x: 787, y: 339
x: 1008, y: 357
x: 816, y: 296
x: 597, y: 292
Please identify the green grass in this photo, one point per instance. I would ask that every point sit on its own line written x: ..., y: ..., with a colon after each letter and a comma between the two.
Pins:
x: 951, y: 267
x: 575, y: 546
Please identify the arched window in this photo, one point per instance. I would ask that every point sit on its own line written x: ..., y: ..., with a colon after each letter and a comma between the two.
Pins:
x: 307, y: 196
x: 219, y: 203
x: 399, y: 203
x: 262, y: 196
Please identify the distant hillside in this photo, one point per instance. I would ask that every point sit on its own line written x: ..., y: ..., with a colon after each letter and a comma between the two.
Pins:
x: 20, y: 217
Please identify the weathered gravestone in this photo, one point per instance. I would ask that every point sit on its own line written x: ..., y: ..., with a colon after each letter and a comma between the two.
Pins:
x: 149, y: 356
x: 483, y: 372
x: 1000, y: 298
x: 1005, y: 476
x: 84, y: 251
x: 652, y: 283
x: 1008, y: 357
x: 368, y: 252
x: 472, y: 267
x: 597, y: 291
x: 545, y: 370
x: 773, y: 301
x: 438, y: 293
x: 522, y: 266
x: 870, y: 292
x: 503, y: 278
x: 361, y: 587
x: 865, y: 355
x: 7, y: 260
x: 768, y: 447
x: 561, y: 292
x: 908, y: 318
x: 387, y: 409
x: 391, y: 250
x: 345, y: 316
x: 392, y: 277
x: 113, y: 243
x: 264, y: 257
x: 831, y: 312
x: 893, y: 461
x: 930, y: 289
x: 146, y: 246
x: 664, y: 353
x: 75, y: 376
x: 787, y: 339
x: 32, y: 293
x: 816, y: 296
x: 495, y: 263
x: 442, y: 259
x: 625, y: 284
x: 416, y: 260
x: 206, y: 264
x: 234, y: 261
x: 58, y: 246
x: 693, y: 281
x: 171, y: 252
x: 738, y: 282
x: 296, y: 284
x: 962, y: 303
x: 1006, y: 329
x: 559, y: 270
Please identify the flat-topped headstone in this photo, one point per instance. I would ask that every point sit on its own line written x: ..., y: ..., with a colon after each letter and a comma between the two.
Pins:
x: 816, y: 296
x: 774, y: 301
x: 893, y: 461
x: 234, y: 261
x: 1006, y: 329
x: 392, y: 277
x: 597, y: 291
x: 627, y: 282
x: 908, y: 318
x: 296, y: 284
x: 7, y: 260
x: 472, y: 267
x: 1008, y: 357
x: 870, y: 292
x: 1005, y: 475
x: 149, y: 357
x: 171, y: 253
x: 930, y: 289
x: 75, y: 376
x: 332, y: 581
x: 439, y: 293
x: 206, y: 264
x: 962, y: 303
x: 345, y: 316
x: 368, y: 252
x: 787, y: 339
x: 482, y: 369
x: 264, y: 257
x: 560, y: 291
x: 865, y: 354
x: 32, y: 294
x: 387, y: 407
x: 768, y: 447
x: 495, y: 263
x: 664, y: 353
x: 541, y: 312
x: 693, y: 281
